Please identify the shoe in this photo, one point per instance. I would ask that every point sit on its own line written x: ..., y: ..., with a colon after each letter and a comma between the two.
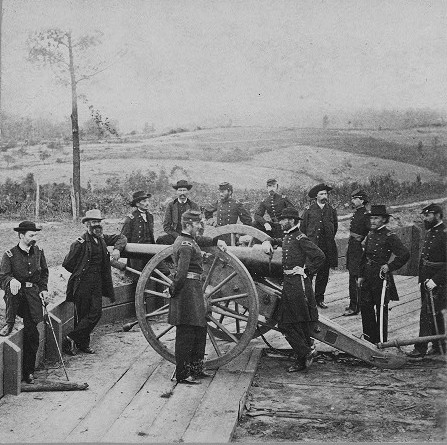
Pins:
x: 69, y: 346
x: 433, y: 351
x: 349, y: 312
x: 298, y: 366
x: 6, y: 330
x: 416, y: 354
x: 322, y: 304
x: 189, y: 381
x: 309, y: 359
x: 28, y: 378
x: 87, y: 350
x: 201, y: 375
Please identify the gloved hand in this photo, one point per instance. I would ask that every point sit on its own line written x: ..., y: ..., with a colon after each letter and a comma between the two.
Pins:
x: 267, y: 247
x: 15, y: 286
x: 268, y: 227
x: 297, y: 270
x: 430, y: 284
x: 222, y: 245
x: 115, y: 254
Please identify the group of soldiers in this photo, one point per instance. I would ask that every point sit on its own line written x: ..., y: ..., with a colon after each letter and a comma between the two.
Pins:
x: 309, y: 252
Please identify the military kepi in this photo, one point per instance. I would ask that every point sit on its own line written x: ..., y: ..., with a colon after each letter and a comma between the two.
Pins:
x: 225, y: 186
x: 192, y: 216
x: 313, y: 192
x: 378, y: 210
x: 432, y: 208
x: 27, y: 226
x: 271, y: 181
x: 139, y: 196
x: 182, y: 184
x: 290, y: 213
x: 359, y: 193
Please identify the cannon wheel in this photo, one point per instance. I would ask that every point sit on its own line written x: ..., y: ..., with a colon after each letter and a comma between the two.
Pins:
x: 240, y: 229
x: 231, y: 299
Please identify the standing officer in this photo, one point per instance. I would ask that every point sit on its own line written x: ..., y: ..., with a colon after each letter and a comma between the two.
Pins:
x: 138, y: 227
x: 301, y: 258
x: 274, y: 204
x: 24, y: 278
x: 91, y: 279
x: 187, y: 308
x: 358, y: 230
x: 320, y: 224
x: 376, y: 267
x: 432, y: 279
x: 172, y: 224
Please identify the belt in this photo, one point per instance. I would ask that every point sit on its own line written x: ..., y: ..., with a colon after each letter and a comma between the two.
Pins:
x: 356, y: 236
x: 27, y: 284
x: 371, y: 262
x: 432, y: 263
x: 289, y: 271
x: 194, y: 276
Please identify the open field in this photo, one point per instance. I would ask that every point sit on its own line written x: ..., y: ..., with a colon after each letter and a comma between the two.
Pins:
x: 303, y: 156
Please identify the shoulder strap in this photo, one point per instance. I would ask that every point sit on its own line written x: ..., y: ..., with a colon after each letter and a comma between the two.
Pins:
x: 186, y: 243
x: 9, y: 253
x: 80, y: 240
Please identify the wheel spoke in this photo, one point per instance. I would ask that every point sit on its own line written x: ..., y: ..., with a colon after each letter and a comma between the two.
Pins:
x: 223, y: 316
x: 230, y: 297
x: 238, y: 328
x: 210, y: 271
x: 223, y: 328
x: 165, y: 331
x: 160, y: 311
x: 233, y: 239
x: 214, y: 342
x: 229, y: 313
x: 162, y: 275
x: 159, y: 281
x: 222, y: 283
x: 157, y: 294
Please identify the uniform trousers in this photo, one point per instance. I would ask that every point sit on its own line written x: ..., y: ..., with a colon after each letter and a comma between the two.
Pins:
x: 322, y: 278
x: 298, y: 336
x: 354, y: 303
x: 190, y: 343
x: 370, y: 309
x: 426, y: 319
x: 30, y: 336
x: 11, y: 307
x: 88, y: 308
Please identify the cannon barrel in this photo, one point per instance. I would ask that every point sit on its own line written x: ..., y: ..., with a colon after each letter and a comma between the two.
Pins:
x: 253, y: 258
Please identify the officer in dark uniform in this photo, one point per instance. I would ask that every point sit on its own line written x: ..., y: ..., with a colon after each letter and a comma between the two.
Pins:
x: 358, y: 230
x: 24, y: 278
x: 375, y: 267
x: 432, y: 279
x: 138, y: 227
x: 187, y: 308
x: 320, y: 224
x: 297, y: 308
x: 172, y: 224
x: 91, y: 279
x: 227, y: 209
x: 273, y: 205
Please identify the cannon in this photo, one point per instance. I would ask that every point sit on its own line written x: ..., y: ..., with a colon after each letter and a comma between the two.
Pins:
x: 242, y: 288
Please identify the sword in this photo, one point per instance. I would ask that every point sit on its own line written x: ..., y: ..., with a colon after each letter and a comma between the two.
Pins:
x: 435, y: 321
x: 382, y: 304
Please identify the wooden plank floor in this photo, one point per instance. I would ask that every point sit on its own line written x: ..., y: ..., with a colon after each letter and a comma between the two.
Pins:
x: 131, y: 398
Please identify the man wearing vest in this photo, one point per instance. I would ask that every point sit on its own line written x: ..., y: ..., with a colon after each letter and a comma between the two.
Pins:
x: 172, y: 223
x: 24, y: 278
x: 376, y: 267
x: 432, y: 280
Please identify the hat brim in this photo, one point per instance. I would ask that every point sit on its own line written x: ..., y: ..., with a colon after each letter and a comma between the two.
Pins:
x: 89, y: 218
x: 135, y: 201
x: 314, y: 191
x: 29, y: 229
x: 188, y: 187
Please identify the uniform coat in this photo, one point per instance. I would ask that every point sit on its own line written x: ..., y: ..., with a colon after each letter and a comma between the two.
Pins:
x: 172, y: 224
x: 379, y: 246
x: 138, y: 230
x: 228, y: 212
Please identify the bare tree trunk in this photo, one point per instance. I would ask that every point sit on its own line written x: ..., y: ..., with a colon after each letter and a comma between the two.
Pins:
x: 76, y: 207
x: 37, y: 199
x: 1, y: 115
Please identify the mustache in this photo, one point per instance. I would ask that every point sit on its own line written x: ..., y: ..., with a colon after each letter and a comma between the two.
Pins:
x: 32, y: 242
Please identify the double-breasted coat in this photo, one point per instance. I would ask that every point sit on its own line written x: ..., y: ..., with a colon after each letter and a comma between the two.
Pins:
x: 358, y: 228
x: 172, y: 223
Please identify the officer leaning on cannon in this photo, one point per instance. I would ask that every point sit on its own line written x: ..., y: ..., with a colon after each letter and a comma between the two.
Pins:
x: 91, y: 279
x: 273, y: 205
x: 432, y: 280
x: 187, y: 309
x: 138, y: 227
x: 172, y: 224
x: 24, y: 278
x: 358, y: 229
x: 297, y: 308
x: 375, y: 276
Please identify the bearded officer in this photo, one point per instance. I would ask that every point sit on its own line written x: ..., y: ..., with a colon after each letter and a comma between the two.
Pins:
x: 297, y: 309
x: 91, y: 279
x: 24, y: 278
x: 187, y: 310
x: 273, y: 205
x: 432, y: 278
x: 358, y: 229
x: 376, y: 265
x: 138, y: 227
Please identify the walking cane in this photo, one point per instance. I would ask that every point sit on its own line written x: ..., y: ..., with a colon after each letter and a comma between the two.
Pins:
x: 435, y: 321
x: 382, y: 304
x: 47, y: 317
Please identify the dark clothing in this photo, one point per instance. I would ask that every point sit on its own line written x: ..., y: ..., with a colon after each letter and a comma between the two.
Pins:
x: 187, y: 310
x: 358, y: 229
x: 228, y: 212
x: 138, y: 230
x: 30, y: 268
x: 433, y: 266
x: 90, y: 280
x: 273, y: 205
x: 297, y: 307
x: 321, y: 225
x: 172, y: 223
x: 379, y: 246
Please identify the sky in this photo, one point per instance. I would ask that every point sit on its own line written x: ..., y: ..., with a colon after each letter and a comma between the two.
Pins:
x: 254, y: 62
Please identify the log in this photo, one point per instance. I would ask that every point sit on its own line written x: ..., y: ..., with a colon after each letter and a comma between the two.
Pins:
x: 48, y: 385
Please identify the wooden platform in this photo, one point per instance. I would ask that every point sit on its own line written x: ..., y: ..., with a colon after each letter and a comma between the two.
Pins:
x: 132, y: 399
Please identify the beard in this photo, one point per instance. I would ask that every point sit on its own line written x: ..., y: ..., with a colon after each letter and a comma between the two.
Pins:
x: 32, y: 242
x: 324, y: 201
x: 96, y: 231
x: 429, y: 224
